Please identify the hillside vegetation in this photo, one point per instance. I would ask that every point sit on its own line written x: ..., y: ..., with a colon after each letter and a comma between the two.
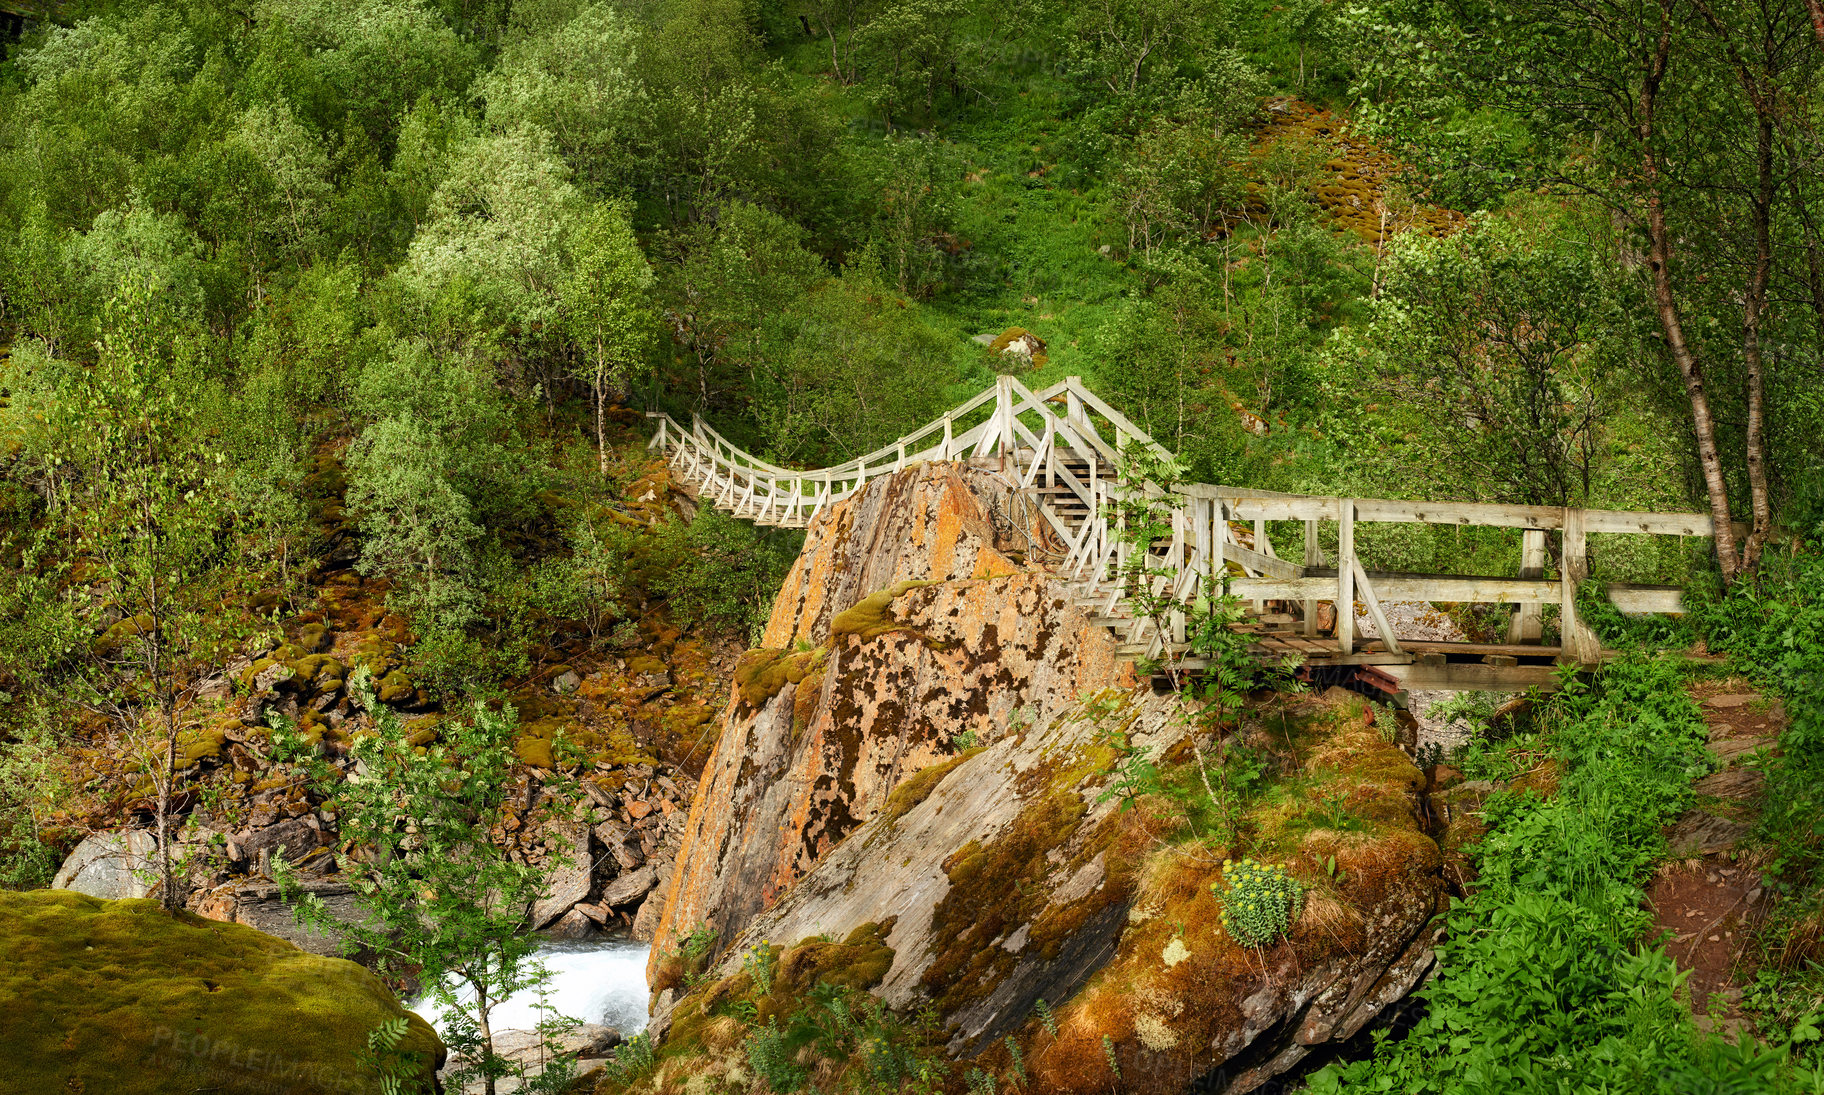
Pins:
x: 326, y: 327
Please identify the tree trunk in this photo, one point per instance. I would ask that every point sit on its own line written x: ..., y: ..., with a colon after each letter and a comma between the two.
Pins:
x: 168, y: 895
x: 487, y: 1035
x: 1754, y: 307
x: 1665, y: 307
x: 1759, y: 89
x: 601, y: 432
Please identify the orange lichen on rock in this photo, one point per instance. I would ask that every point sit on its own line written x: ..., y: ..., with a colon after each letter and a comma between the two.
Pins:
x: 920, y: 652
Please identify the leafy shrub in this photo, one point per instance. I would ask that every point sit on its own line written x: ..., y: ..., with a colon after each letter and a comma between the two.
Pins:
x: 725, y: 572
x: 1261, y: 902
x: 772, y: 1060
x: 632, y: 1059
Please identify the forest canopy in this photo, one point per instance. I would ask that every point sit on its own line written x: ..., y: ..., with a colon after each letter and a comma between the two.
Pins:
x: 1546, y: 254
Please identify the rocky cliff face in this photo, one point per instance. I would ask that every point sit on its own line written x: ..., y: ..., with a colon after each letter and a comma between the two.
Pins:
x: 909, y: 631
x: 975, y: 876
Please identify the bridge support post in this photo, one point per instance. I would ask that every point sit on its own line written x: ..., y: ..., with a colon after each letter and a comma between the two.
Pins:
x: 1579, y: 642
x: 1003, y: 415
x: 1314, y: 557
x: 1527, y: 626
x: 1345, y: 575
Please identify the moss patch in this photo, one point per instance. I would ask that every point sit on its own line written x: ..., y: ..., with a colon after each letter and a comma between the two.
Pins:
x: 124, y: 998
x: 918, y: 788
x: 762, y: 673
x: 871, y: 618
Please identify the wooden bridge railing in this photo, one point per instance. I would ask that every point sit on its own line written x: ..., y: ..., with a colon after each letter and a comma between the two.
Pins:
x: 1065, y: 446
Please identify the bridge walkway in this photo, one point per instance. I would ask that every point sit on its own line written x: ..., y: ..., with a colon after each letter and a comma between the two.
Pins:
x: 1065, y: 446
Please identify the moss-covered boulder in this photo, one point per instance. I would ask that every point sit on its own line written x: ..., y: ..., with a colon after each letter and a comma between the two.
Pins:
x: 1026, y: 870
x: 124, y: 998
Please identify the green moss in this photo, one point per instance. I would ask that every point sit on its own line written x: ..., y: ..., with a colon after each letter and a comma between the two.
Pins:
x: 318, y: 672
x: 111, y: 640
x: 645, y: 663
x: 918, y: 788
x: 199, y: 743
x: 125, y: 998
x: 761, y: 674
x: 535, y: 752
x: 858, y: 962
x: 870, y: 617
x: 994, y: 888
x: 396, y: 687
x: 314, y: 638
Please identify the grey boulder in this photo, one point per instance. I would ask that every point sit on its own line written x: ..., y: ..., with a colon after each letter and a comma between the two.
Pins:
x: 111, y: 866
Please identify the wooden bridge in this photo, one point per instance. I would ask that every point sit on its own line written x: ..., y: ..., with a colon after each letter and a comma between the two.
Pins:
x: 1065, y: 446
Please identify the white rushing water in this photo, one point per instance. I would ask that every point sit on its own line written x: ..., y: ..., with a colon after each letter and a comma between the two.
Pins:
x: 596, y: 982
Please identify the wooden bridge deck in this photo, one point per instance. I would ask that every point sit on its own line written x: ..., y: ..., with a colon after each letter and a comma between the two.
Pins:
x: 1063, y: 447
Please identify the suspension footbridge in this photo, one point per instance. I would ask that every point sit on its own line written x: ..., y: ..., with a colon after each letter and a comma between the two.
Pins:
x: 1066, y: 448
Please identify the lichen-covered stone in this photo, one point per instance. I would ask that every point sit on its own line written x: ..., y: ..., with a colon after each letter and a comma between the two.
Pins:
x: 924, y: 638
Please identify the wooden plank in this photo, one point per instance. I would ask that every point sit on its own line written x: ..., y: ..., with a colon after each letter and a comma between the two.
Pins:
x: 1527, y: 650
x: 1527, y: 623
x: 1639, y: 598
x: 1382, y: 628
x: 1346, y: 566
x: 1654, y: 524
x: 1403, y: 587
x: 1475, y: 677
x: 1261, y: 563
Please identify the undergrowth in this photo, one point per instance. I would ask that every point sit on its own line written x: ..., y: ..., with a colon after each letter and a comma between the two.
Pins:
x: 1547, y: 981
x: 1775, y: 634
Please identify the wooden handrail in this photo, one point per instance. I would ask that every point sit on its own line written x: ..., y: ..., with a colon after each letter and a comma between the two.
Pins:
x: 1202, y: 540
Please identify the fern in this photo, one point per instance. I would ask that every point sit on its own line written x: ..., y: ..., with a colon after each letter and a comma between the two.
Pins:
x: 398, y: 1072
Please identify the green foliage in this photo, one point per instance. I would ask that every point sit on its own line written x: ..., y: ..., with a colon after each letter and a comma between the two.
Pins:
x: 632, y: 1059
x: 1046, y: 1018
x: 397, y: 1072
x: 1260, y: 903
x: 419, y: 882
x: 761, y: 963
x: 1016, y: 1059
x: 1502, y: 357
x: 723, y: 573
x: 1544, y: 980
x: 771, y: 1060
x: 31, y: 788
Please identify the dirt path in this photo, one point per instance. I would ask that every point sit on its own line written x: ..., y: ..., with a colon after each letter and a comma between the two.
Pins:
x: 1709, y: 893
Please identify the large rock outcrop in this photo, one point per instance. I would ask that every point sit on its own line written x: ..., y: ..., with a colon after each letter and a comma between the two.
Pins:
x: 908, y: 631
x: 876, y: 786
x: 123, y: 997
